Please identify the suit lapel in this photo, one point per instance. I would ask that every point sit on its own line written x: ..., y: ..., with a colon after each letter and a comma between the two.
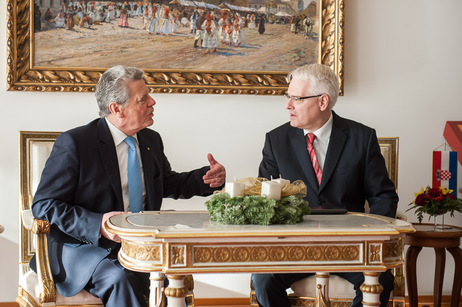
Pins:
x: 337, y: 141
x: 108, y: 156
x: 298, y: 142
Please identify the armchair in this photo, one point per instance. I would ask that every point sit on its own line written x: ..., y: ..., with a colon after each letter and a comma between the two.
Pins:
x: 37, y: 289
x: 340, y: 291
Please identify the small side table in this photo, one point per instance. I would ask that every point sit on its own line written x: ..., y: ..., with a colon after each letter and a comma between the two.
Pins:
x: 426, y: 236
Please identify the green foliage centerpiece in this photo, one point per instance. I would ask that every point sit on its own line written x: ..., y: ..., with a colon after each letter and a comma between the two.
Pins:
x: 253, y: 208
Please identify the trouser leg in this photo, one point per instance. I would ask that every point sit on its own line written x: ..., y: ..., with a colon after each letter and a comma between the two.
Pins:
x: 270, y: 289
x: 117, y: 286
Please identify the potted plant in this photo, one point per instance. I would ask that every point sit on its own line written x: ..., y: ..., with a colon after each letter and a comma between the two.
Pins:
x: 435, y: 202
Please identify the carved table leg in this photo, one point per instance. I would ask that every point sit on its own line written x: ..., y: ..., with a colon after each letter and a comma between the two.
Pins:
x: 411, y: 274
x: 176, y: 291
x: 157, y: 285
x: 456, y: 287
x: 439, y: 275
x: 371, y: 289
x: 322, y: 289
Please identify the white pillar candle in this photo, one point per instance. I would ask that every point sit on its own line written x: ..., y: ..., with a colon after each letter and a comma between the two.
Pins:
x: 272, y: 189
x: 234, y: 188
x: 283, y: 182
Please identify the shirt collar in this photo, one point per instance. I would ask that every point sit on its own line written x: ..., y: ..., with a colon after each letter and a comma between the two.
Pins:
x: 323, y: 133
x: 117, y: 135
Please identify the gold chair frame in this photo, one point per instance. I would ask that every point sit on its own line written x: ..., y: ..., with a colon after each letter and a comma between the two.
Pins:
x: 33, y: 233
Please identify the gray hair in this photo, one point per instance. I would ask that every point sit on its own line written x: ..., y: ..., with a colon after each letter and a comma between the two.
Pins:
x: 113, y: 86
x: 322, y: 79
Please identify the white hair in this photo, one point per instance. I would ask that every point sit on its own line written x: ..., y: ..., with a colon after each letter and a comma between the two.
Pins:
x: 322, y: 79
x: 113, y: 86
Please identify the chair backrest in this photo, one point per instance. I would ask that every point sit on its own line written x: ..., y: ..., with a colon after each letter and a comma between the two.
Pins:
x: 34, y: 149
x: 389, y: 149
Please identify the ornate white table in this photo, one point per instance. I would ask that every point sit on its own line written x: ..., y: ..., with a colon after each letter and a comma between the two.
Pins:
x: 180, y: 243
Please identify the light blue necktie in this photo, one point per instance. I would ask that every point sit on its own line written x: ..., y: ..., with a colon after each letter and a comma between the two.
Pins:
x: 135, y: 188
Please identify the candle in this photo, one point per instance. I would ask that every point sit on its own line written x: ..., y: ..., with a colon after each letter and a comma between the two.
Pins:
x: 234, y: 188
x: 283, y: 182
x: 271, y: 189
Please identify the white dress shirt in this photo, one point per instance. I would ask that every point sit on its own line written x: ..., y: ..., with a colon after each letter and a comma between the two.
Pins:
x: 321, y: 142
x: 122, y: 158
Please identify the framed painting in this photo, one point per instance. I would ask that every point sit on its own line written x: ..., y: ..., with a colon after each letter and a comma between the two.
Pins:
x: 184, y: 46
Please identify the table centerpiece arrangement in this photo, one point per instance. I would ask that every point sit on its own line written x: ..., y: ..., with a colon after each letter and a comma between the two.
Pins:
x: 435, y: 202
x: 259, y: 201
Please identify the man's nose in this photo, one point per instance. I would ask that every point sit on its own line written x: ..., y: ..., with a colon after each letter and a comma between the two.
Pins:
x: 151, y: 101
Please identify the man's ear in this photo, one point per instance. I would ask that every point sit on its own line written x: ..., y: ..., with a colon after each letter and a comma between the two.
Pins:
x: 324, y: 102
x: 116, y: 109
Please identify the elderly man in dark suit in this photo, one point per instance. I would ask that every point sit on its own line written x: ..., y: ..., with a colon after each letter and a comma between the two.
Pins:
x: 338, y: 159
x: 87, y: 179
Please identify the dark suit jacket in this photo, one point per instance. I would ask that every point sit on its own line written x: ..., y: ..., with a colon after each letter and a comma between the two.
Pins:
x: 81, y: 182
x: 354, y: 169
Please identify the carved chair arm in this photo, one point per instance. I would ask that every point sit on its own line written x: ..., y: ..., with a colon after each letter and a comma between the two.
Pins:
x: 40, y: 229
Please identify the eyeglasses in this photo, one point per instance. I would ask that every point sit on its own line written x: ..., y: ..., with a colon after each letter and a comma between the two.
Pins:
x: 298, y: 99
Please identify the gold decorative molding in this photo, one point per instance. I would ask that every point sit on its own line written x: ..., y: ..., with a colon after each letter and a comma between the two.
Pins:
x: 372, y: 289
x: 375, y: 252
x: 23, y: 75
x: 177, y: 254
x: 392, y: 249
x: 272, y: 253
x: 40, y: 227
x: 142, y: 252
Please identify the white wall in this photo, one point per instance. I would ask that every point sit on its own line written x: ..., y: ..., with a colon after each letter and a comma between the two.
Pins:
x: 402, y: 76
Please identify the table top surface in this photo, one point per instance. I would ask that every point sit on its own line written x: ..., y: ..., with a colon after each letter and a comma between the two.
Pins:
x: 428, y: 230
x: 168, y: 224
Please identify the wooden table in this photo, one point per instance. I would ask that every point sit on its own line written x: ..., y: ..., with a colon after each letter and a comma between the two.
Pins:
x: 182, y: 243
x: 427, y: 236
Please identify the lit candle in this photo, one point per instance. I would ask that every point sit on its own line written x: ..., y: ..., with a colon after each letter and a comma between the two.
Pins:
x: 272, y: 189
x: 234, y: 188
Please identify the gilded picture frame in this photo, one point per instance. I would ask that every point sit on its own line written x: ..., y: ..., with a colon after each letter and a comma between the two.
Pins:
x: 23, y: 75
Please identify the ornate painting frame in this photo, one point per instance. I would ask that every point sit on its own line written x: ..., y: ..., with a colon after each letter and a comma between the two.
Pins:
x: 22, y: 75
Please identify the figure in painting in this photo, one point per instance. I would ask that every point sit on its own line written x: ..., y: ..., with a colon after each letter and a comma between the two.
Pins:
x: 261, y: 25
x: 210, y: 41
x: 154, y: 22
x: 199, y: 30
x: 238, y: 34
x: 60, y: 20
x: 37, y: 18
x: 123, y: 20
x: 166, y: 27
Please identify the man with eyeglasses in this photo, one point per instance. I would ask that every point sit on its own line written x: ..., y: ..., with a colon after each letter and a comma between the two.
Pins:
x: 338, y: 159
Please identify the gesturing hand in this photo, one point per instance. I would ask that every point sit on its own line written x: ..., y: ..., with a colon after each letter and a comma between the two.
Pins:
x: 216, y: 176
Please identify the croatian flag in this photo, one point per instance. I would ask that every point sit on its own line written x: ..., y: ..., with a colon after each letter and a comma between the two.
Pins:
x: 445, y: 170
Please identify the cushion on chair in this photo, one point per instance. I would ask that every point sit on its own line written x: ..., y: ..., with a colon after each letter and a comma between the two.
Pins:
x: 29, y: 282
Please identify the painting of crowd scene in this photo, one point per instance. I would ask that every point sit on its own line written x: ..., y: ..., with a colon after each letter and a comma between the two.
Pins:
x: 241, y: 35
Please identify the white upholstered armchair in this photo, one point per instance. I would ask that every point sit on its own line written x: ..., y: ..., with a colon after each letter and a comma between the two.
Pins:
x: 38, y: 289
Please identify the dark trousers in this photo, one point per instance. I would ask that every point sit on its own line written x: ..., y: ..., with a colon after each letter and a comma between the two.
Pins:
x: 116, y: 286
x: 270, y: 289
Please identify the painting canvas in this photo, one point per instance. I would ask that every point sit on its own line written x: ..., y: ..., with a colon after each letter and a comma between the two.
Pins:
x: 237, y: 47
